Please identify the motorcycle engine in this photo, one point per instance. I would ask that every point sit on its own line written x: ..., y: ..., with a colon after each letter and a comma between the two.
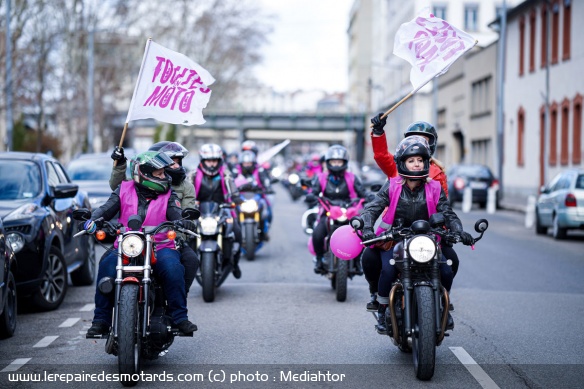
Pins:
x: 160, y: 336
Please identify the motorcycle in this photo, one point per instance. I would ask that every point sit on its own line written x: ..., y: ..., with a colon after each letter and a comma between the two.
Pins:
x: 251, y: 218
x: 417, y: 314
x: 215, y: 245
x: 338, y: 270
x: 141, y: 328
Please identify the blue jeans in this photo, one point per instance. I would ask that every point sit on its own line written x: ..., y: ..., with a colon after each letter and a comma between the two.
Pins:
x: 167, y: 269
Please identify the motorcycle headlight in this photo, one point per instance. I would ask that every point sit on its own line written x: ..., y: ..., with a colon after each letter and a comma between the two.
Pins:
x: 132, y: 245
x: 293, y: 178
x: 15, y: 240
x: 208, y: 226
x: 249, y: 206
x: 422, y: 249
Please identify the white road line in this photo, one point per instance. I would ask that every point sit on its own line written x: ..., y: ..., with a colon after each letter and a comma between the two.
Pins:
x: 87, y: 307
x: 474, y: 369
x: 70, y: 322
x: 44, y: 342
x: 15, y: 365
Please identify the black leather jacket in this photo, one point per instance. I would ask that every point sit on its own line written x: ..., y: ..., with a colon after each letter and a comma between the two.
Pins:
x: 337, y: 191
x: 410, y: 207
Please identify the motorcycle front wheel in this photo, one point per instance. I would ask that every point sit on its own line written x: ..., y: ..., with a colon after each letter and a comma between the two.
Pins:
x: 250, y: 243
x: 128, y: 339
x: 208, y: 276
x: 341, y: 279
x: 424, y: 336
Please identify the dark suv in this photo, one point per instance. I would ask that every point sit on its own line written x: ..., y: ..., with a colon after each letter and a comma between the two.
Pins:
x: 37, y: 200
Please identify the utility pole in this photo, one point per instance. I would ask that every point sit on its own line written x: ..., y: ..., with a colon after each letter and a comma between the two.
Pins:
x: 547, y: 118
x: 90, y: 74
x: 501, y: 92
x: 9, y: 122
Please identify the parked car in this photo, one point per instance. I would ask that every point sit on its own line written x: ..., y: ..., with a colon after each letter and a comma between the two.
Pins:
x: 7, y: 287
x: 37, y: 200
x: 560, y: 204
x: 478, y: 177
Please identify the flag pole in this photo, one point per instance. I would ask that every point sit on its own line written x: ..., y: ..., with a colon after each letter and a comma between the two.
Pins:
x: 134, y: 95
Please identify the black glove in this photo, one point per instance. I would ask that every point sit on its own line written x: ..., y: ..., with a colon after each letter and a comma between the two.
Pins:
x: 91, y: 226
x: 378, y: 124
x: 118, y: 155
x: 187, y: 224
x: 466, y: 238
x: 370, y: 197
x: 368, y: 235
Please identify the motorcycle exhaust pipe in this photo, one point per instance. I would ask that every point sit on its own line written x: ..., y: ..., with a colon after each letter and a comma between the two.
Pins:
x: 394, y: 289
x: 106, y: 285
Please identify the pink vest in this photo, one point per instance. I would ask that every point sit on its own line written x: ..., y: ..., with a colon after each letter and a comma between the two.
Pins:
x: 349, y: 179
x: 199, y: 180
x: 155, y: 214
x: 255, y: 174
x: 432, y: 189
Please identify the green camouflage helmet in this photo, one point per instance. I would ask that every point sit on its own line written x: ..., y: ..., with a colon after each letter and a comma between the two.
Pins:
x: 144, y: 164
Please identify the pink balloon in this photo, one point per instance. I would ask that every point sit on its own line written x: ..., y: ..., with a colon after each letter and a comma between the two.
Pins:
x: 345, y: 244
x: 310, y: 246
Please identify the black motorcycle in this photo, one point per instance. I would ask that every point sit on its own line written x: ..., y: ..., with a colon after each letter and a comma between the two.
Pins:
x: 215, y: 245
x: 417, y: 314
x: 141, y: 328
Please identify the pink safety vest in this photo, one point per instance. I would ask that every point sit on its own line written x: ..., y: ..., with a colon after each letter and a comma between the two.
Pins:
x: 349, y: 179
x: 155, y: 214
x: 255, y: 174
x: 432, y: 189
x: 199, y: 180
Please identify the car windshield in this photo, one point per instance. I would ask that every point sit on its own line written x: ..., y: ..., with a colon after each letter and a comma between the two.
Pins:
x: 19, y: 180
x: 90, y: 170
x: 473, y: 171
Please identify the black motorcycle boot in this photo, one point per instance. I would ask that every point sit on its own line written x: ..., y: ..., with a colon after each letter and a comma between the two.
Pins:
x: 318, y: 266
x: 381, y: 327
x: 97, y: 329
x: 186, y: 327
x: 373, y: 305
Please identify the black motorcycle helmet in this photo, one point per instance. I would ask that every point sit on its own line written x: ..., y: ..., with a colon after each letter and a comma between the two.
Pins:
x: 424, y: 129
x: 409, y: 147
x: 175, y: 151
x: 337, y: 152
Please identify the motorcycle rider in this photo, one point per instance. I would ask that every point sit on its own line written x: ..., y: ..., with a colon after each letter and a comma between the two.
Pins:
x: 257, y: 176
x: 148, y: 195
x: 213, y: 182
x: 371, y: 258
x: 183, y: 188
x: 335, y: 184
x: 408, y: 197
x: 250, y: 145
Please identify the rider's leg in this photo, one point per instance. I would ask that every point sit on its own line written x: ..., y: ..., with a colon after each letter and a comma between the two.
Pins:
x: 190, y: 261
x: 386, y: 279
x: 102, y: 315
x: 237, y: 248
x: 371, y: 263
x: 318, y: 236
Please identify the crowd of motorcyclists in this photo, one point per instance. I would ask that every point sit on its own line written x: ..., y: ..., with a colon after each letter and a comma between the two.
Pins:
x: 159, y: 187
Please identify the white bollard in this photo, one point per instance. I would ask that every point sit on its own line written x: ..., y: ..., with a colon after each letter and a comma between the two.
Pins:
x: 492, y: 199
x: 467, y: 199
x: 530, y: 212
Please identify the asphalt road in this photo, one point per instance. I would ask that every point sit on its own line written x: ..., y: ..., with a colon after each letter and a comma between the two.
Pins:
x: 519, y: 304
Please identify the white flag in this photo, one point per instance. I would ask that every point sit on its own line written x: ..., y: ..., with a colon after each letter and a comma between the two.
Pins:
x: 171, y: 88
x: 430, y: 45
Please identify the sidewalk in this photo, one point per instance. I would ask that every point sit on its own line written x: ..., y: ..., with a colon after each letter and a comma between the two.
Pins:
x: 514, y: 202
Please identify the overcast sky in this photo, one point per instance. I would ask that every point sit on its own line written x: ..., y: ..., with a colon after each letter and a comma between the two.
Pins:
x: 308, y: 47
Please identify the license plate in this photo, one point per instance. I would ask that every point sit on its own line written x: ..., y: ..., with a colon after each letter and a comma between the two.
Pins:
x: 478, y: 185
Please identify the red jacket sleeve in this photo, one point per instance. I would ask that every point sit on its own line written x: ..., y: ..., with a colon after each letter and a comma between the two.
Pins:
x: 438, y: 174
x: 382, y: 156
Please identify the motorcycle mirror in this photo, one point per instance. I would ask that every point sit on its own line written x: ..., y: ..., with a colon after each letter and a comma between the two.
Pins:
x: 82, y: 214
x: 135, y: 222
x: 357, y: 222
x: 437, y: 220
x: 190, y: 213
x: 481, y: 225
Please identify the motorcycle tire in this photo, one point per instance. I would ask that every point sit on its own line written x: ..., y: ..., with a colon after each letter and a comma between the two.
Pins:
x: 424, y: 337
x: 341, y: 279
x: 128, y: 339
x: 250, y: 243
x: 208, y: 276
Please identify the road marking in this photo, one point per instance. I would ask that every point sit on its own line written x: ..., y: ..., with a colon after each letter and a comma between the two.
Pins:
x: 473, y: 368
x: 70, y: 322
x: 44, y: 342
x: 87, y: 307
x: 15, y: 365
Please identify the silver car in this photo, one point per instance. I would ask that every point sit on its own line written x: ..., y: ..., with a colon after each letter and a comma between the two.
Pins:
x: 560, y: 204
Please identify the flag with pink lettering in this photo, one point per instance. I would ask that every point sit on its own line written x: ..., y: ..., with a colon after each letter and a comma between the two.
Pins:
x: 430, y: 45
x: 171, y: 88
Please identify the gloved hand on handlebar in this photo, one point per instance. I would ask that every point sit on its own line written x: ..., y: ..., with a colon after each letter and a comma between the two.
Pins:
x: 118, y: 155
x: 187, y: 224
x: 91, y: 226
x: 466, y: 238
x: 368, y: 234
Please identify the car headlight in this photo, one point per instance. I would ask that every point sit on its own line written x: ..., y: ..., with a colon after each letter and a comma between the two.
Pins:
x: 15, y: 240
x: 22, y: 212
x: 249, y: 206
x: 132, y: 245
x: 422, y: 249
x: 208, y: 225
x: 276, y: 172
x: 293, y: 178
